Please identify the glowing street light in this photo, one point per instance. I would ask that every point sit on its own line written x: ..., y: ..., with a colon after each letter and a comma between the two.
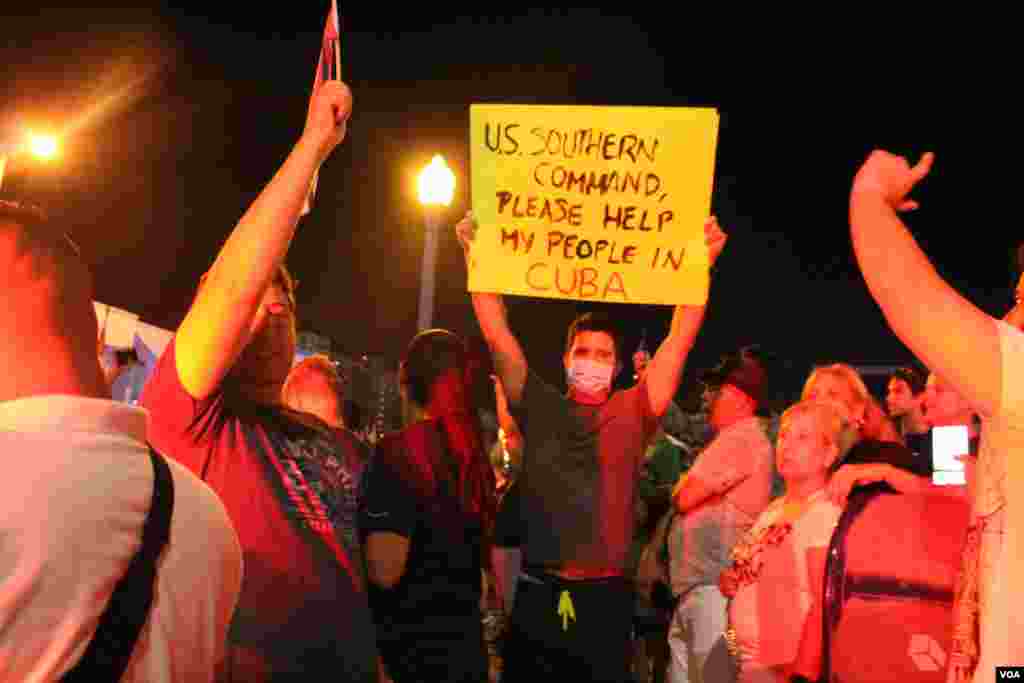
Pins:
x: 435, y: 187
x: 41, y: 146
x: 436, y: 183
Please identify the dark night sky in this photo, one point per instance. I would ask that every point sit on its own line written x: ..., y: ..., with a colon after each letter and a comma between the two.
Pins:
x: 152, y: 186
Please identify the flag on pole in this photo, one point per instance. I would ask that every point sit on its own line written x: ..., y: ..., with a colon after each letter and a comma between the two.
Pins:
x: 328, y: 68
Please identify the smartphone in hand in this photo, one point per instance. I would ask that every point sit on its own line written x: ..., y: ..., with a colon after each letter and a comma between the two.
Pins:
x: 949, y: 443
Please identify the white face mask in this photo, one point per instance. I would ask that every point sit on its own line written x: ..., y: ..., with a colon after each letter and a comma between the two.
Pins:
x: 590, y: 376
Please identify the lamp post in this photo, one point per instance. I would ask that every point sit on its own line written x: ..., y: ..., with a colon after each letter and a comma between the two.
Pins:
x: 43, y: 147
x: 436, y: 187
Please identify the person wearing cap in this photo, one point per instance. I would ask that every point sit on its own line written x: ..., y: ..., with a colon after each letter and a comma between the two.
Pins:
x: 718, y: 500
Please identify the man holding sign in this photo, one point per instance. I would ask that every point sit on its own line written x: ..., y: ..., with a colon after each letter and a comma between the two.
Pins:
x: 573, y: 608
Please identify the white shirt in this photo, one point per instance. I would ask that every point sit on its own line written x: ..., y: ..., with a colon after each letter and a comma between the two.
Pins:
x: 76, y: 484
x: 769, y: 614
x: 997, y: 501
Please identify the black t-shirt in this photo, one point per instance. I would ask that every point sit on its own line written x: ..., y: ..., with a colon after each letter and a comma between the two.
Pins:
x: 921, y: 446
x: 441, y: 586
x: 508, y: 527
x: 577, y: 483
x: 895, y: 454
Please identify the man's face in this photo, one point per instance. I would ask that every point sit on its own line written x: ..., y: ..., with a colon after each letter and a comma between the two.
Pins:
x: 267, y: 357
x: 900, y: 399
x: 1015, y: 316
x: 943, y: 405
x: 803, y: 449
x: 640, y: 361
x: 591, y: 345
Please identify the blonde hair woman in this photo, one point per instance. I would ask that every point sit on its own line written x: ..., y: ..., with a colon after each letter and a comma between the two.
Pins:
x: 872, y: 438
x: 840, y: 382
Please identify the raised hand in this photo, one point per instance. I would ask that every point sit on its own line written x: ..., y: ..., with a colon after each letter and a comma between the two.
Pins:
x: 892, y: 177
x: 465, y: 231
x: 715, y: 238
x: 327, y: 119
x: 846, y: 478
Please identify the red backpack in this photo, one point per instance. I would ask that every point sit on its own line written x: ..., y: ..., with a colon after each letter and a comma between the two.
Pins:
x: 889, y: 586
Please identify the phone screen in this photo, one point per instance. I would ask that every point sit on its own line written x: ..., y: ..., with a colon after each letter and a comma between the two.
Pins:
x: 948, y: 443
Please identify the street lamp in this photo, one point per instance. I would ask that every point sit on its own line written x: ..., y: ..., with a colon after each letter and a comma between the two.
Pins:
x: 436, y: 187
x: 40, y: 146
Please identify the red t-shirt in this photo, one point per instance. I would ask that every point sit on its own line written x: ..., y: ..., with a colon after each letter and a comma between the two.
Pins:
x: 290, y: 490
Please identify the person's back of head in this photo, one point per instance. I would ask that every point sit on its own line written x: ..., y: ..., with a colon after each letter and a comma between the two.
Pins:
x: 433, y: 372
x: 314, y: 386
x: 48, y: 324
x: 434, y: 376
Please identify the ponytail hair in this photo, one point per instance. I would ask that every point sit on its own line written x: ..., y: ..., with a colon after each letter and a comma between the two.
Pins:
x: 436, y: 374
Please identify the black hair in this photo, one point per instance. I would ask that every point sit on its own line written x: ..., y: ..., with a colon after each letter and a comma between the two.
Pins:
x: 595, y: 322
x: 430, y: 355
x: 54, y: 256
x: 915, y: 378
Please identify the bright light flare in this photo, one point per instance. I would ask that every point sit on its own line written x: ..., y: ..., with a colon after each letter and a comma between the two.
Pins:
x: 42, y: 146
x: 436, y: 183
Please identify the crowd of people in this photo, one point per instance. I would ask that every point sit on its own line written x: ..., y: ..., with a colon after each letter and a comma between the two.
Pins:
x: 230, y: 527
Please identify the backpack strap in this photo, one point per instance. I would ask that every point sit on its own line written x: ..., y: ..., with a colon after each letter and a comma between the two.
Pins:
x: 107, y: 655
x: 835, y: 588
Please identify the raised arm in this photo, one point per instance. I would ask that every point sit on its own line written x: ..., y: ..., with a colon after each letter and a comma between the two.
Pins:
x: 666, y: 367
x: 952, y: 336
x: 218, y: 325
x: 509, y: 360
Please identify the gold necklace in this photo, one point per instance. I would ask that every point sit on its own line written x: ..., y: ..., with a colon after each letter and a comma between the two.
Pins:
x: 793, y: 509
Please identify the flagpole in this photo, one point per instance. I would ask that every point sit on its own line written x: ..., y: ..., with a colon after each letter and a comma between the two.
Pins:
x: 3, y: 166
x: 330, y: 56
x: 337, y: 61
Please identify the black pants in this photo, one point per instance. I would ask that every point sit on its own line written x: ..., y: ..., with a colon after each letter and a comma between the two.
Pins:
x: 542, y: 645
x: 438, y: 651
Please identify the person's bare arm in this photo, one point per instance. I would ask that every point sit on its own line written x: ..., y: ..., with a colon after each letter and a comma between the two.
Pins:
x: 808, y: 656
x: 506, y: 563
x: 509, y: 360
x: 849, y: 476
x: 663, y: 372
x: 953, y: 337
x: 218, y: 324
x: 386, y: 555
x: 690, y: 492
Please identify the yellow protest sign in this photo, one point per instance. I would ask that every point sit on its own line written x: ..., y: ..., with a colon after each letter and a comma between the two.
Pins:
x: 592, y: 203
